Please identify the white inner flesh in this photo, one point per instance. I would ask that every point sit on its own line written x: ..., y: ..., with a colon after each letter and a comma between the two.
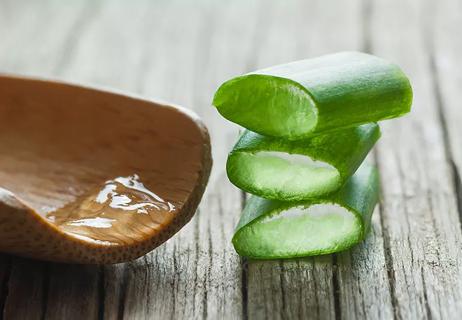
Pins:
x: 297, y: 159
x: 315, y: 211
x: 316, y: 228
x: 287, y: 176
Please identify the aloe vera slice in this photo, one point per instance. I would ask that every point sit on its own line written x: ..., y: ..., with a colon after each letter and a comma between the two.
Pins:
x: 270, y: 229
x: 279, y: 169
x: 310, y: 96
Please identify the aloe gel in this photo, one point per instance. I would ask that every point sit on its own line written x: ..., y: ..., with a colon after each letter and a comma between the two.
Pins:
x: 285, y: 170
x: 307, y: 97
x: 270, y: 229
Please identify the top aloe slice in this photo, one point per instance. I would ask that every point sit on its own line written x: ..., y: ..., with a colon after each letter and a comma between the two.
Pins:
x: 298, y: 99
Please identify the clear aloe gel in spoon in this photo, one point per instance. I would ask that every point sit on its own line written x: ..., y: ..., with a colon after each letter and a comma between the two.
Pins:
x: 271, y: 229
x: 307, y: 97
x: 286, y: 170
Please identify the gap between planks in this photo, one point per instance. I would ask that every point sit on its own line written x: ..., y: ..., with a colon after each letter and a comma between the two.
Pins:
x: 5, y: 273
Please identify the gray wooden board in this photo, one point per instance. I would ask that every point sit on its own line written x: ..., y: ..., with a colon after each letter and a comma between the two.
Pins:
x: 408, y: 267
x: 419, y: 209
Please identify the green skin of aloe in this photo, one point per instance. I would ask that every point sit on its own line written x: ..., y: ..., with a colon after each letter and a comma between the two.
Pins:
x: 280, y: 169
x: 307, y: 97
x: 271, y: 229
x: 311, y: 124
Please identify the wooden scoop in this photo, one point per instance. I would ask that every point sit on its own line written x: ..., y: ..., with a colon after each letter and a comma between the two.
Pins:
x: 90, y: 176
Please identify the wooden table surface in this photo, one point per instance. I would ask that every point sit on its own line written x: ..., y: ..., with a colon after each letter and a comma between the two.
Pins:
x: 410, y: 265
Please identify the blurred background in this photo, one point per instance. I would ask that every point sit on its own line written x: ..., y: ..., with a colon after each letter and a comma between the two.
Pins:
x: 181, y: 51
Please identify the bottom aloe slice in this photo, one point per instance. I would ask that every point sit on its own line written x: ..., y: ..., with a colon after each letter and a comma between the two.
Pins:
x: 271, y: 229
x: 279, y: 169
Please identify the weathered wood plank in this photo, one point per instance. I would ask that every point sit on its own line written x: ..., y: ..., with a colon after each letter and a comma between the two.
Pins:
x: 364, y: 290
x: 198, y: 270
x: 73, y: 292
x: 35, y: 37
x: 330, y: 286
x: 5, y: 270
x: 445, y: 47
x: 37, y: 289
x: 298, y: 289
x: 196, y: 274
x: 26, y: 290
x: 363, y: 279
x: 419, y: 212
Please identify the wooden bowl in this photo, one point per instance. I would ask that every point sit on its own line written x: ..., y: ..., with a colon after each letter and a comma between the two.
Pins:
x: 91, y: 176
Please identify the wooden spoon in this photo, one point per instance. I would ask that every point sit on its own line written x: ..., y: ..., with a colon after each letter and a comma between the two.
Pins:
x: 90, y: 176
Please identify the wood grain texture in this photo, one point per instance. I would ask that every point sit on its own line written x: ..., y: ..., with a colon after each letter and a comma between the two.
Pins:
x: 333, y: 286
x: 419, y: 210
x: 302, y: 288
x: 26, y: 290
x: 43, y: 45
x: 5, y: 271
x: 196, y: 274
x: 410, y: 265
x: 444, y: 49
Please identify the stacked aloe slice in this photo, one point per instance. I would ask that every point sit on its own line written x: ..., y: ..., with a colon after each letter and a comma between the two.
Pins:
x: 310, y: 125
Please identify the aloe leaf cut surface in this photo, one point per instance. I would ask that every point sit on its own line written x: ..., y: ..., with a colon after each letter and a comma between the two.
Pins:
x: 280, y: 169
x: 270, y: 229
x: 301, y: 98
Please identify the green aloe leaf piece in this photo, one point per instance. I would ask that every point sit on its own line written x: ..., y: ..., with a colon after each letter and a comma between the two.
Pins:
x: 301, y: 98
x: 270, y: 229
x: 279, y: 169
